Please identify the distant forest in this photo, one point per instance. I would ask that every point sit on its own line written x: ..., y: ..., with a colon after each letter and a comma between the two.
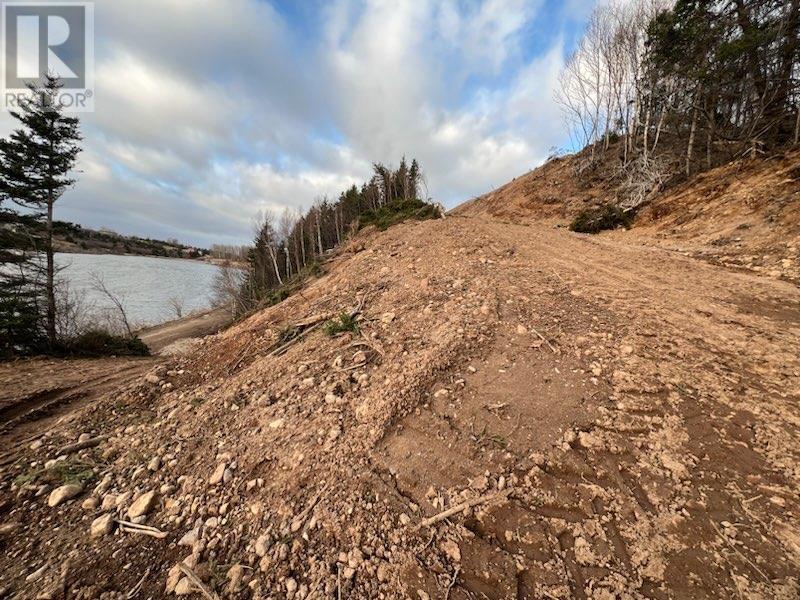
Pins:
x: 70, y: 237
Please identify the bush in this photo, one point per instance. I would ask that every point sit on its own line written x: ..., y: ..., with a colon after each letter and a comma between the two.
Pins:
x: 97, y: 342
x: 397, y: 212
x: 343, y: 323
x: 597, y: 219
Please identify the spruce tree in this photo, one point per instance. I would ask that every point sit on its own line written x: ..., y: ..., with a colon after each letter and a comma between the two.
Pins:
x: 35, y: 165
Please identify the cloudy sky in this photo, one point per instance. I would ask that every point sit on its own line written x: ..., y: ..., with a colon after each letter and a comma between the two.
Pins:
x: 210, y: 110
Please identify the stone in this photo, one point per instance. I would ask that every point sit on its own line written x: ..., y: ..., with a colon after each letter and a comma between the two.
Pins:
x: 291, y: 585
x: 64, y: 493
x: 262, y: 545
x: 235, y: 574
x: 276, y: 424
x: 90, y: 503
x: 142, y: 505
x: 109, y: 501
x: 451, y: 550
x: 218, y: 474
x: 184, y: 587
x: 521, y: 330
x: 189, y: 538
x: 154, y: 464
x: 383, y: 572
x: 102, y: 525
x: 359, y: 358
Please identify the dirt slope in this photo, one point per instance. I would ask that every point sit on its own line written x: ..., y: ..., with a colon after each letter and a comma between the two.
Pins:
x: 627, y: 415
x: 744, y: 215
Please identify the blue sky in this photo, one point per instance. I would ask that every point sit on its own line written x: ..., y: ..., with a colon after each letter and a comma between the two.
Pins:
x: 208, y: 111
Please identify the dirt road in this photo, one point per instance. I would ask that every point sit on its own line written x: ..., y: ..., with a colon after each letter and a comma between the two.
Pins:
x: 622, y: 420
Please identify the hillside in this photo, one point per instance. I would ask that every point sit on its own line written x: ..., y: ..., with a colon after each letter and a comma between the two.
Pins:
x: 69, y: 237
x: 745, y: 214
x: 523, y: 412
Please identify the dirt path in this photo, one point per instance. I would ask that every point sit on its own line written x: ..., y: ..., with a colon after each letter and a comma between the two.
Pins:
x: 193, y: 326
x: 635, y: 413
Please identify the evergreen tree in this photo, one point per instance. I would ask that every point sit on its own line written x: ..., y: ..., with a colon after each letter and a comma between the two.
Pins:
x: 35, y: 163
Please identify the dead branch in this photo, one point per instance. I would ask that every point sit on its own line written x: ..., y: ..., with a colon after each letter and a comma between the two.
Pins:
x: 135, y: 589
x: 128, y: 527
x: 202, y: 587
x: 77, y: 446
x: 453, y: 510
x: 541, y: 337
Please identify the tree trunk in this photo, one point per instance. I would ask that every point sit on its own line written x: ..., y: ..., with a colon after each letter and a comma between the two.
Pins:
x: 274, y: 258
x: 51, y: 270
x: 303, y: 240
x: 797, y: 127
x: 319, y: 232
x: 658, y: 128
x: 691, y: 142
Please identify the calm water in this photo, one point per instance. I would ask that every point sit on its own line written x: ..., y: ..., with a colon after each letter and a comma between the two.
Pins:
x: 144, y: 284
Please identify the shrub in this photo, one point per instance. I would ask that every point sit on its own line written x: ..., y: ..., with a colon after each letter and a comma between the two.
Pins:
x: 343, y: 323
x: 397, y: 212
x: 97, y: 342
x: 597, y: 219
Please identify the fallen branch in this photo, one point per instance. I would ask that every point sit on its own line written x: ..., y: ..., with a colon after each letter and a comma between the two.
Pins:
x: 452, y: 583
x: 283, y: 348
x: 77, y: 446
x: 453, y: 510
x: 138, y: 586
x: 541, y: 337
x: 128, y: 527
x: 202, y: 587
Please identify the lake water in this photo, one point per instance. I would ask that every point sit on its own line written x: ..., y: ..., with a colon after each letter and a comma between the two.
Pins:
x: 144, y: 284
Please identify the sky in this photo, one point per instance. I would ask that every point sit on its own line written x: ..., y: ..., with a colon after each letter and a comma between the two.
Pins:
x: 208, y: 111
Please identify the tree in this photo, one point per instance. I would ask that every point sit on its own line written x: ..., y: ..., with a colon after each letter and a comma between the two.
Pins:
x: 35, y: 163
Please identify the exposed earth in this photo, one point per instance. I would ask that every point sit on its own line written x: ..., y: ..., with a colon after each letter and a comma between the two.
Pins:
x: 523, y: 412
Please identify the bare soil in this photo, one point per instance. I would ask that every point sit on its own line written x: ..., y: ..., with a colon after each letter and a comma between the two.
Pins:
x: 628, y: 414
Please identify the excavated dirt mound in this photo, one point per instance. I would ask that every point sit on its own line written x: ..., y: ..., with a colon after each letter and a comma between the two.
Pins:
x: 580, y: 417
x: 743, y: 215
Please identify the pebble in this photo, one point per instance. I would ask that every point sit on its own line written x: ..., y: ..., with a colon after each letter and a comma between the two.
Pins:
x: 64, y: 493
x: 102, y: 525
x: 90, y: 503
x: 142, y: 505
x: 218, y: 474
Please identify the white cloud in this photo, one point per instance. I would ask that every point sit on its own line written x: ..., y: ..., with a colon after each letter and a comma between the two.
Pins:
x: 208, y: 111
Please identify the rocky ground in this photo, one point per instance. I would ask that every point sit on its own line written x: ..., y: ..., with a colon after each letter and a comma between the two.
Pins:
x: 522, y: 412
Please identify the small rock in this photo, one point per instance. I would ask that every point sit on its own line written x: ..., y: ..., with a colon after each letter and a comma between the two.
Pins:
x: 154, y: 464
x: 218, y: 474
x: 90, y: 503
x: 521, y: 330
x: 36, y: 445
x: 142, y: 505
x: 102, y: 525
x: 262, y: 545
x: 37, y: 574
x: 276, y: 424
x: 451, y: 549
x: 291, y: 585
x: 184, y: 587
x: 189, y: 538
x: 64, y: 493
x: 359, y: 358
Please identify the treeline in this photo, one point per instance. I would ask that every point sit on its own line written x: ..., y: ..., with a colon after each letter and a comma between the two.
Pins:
x: 681, y: 87
x: 71, y: 237
x: 288, y: 246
